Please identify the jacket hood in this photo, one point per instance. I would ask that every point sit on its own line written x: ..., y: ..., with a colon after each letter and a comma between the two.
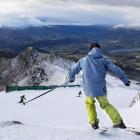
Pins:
x: 96, y: 53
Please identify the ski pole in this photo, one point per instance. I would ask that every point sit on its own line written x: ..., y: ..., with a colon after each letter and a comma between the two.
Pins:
x: 39, y: 96
x: 65, y: 83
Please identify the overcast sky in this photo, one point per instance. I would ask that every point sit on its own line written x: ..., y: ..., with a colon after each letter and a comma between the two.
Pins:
x: 44, y: 12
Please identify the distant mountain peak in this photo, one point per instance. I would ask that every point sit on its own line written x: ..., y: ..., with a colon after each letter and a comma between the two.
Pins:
x: 123, y: 26
x: 32, y: 67
x: 119, y: 26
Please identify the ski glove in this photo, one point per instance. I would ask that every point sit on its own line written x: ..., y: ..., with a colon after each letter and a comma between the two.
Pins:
x: 128, y: 84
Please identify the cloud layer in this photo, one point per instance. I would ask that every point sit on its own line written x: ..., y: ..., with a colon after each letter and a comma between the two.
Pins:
x: 132, y: 3
x: 31, y: 12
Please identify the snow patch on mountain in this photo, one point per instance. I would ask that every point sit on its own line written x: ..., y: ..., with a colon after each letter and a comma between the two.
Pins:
x: 123, y: 26
x: 119, y: 26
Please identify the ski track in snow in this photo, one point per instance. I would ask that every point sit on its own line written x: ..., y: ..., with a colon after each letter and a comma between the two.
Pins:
x: 60, y: 115
x: 28, y: 132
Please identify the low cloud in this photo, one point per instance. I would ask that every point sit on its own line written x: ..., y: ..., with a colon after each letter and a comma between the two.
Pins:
x: 19, y: 12
x: 15, y: 21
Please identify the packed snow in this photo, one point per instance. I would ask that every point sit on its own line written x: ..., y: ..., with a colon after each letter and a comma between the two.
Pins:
x: 61, y: 115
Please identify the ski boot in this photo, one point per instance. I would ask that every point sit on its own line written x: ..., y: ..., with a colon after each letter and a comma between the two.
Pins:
x: 120, y: 125
x: 95, y: 125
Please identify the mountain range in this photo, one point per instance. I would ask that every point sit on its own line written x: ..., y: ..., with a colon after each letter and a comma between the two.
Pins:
x: 119, y: 43
x: 117, y: 37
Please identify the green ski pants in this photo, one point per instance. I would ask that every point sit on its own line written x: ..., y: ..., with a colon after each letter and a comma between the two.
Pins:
x: 104, y: 104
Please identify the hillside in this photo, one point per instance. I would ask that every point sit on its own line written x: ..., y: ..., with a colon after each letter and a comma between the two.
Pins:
x: 61, y: 115
x: 60, y: 36
x: 32, y: 67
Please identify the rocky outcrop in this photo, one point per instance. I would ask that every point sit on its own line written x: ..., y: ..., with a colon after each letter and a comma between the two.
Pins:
x: 32, y: 67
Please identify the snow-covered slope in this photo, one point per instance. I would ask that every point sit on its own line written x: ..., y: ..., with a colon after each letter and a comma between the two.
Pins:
x: 60, y: 115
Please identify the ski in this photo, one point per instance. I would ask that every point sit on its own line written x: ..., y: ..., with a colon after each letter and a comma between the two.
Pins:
x: 105, y: 130
x: 134, y: 130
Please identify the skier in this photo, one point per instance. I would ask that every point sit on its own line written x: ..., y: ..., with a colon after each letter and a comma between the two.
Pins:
x: 94, y: 67
x: 79, y: 94
x: 22, y: 99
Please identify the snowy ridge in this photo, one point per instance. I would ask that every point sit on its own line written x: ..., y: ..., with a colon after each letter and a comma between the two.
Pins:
x: 32, y: 67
